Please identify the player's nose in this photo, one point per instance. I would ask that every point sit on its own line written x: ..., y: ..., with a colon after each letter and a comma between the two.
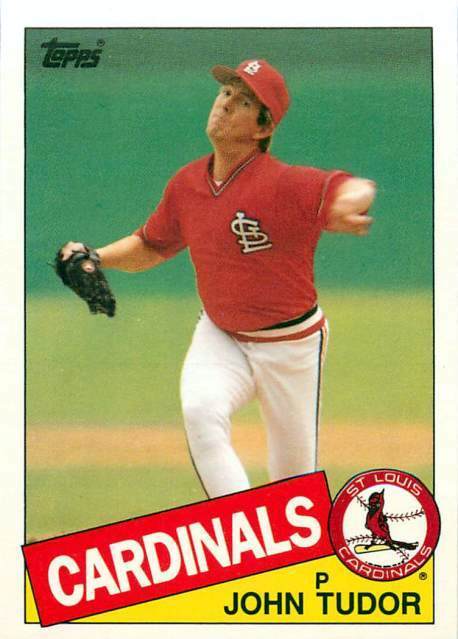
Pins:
x: 228, y: 103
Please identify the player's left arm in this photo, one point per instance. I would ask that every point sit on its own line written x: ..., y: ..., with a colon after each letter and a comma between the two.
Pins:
x: 349, y: 206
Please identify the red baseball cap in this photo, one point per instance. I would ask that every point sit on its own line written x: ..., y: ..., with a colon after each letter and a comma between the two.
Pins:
x: 264, y: 80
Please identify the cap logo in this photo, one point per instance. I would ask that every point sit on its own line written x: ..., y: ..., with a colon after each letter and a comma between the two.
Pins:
x: 252, y: 68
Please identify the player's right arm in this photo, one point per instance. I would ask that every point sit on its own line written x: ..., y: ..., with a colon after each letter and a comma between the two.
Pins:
x: 130, y: 254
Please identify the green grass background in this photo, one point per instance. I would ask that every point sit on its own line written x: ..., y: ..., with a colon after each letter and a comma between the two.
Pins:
x: 66, y: 500
x: 100, y: 146
x: 83, y: 370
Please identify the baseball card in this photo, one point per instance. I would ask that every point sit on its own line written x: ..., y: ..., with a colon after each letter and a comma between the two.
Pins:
x: 230, y: 320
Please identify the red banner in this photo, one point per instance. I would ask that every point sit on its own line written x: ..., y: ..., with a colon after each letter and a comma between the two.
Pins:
x: 179, y: 550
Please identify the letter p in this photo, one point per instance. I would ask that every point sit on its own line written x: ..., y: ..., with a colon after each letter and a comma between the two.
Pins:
x: 321, y: 578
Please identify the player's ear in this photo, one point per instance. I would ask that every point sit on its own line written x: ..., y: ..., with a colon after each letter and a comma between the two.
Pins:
x: 264, y: 131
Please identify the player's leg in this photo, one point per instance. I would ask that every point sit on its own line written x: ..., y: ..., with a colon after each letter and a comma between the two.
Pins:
x: 216, y: 380
x: 288, y: 377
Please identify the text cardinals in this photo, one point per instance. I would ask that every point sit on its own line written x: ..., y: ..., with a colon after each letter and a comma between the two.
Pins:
x: 159, y: 556
x: 179, y: 550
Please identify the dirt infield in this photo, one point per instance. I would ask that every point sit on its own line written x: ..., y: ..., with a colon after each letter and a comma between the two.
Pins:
x: 53, y: 448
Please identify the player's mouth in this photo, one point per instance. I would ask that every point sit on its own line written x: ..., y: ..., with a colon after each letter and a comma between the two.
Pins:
x: 217, y: 116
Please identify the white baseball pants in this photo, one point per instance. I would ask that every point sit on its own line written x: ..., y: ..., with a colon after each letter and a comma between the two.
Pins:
x: 221, y: 374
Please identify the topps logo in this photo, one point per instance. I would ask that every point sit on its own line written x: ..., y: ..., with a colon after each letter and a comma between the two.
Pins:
x: 61, y: 54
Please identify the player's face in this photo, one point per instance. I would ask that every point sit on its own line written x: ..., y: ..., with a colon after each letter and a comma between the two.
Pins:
x: 233, y: 117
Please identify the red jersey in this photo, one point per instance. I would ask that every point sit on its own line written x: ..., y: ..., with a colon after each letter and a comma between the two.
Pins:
x: 251, y: 239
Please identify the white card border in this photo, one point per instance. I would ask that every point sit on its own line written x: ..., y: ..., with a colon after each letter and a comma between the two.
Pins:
x: 442, y: 17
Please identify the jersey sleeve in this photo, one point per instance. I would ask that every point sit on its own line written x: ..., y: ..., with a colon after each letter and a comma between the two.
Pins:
x: 162, y: 229
x: 312, y: 190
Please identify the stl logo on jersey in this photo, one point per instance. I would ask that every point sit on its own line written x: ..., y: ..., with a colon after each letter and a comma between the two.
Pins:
x: 384, y: 524
x: 249, y: 234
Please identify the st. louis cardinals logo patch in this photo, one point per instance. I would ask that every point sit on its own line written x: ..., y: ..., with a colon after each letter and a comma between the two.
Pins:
x: 252, y: 68
x: 250, y: 236
x: 384, y: 524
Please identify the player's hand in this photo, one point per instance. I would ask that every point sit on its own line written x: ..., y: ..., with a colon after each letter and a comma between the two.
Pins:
x: 354, y: 223
x: 68, y: 249
x: 79, y: 269
x: 348, y: 212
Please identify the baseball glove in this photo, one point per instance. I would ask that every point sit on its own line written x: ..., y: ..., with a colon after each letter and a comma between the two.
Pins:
x: 82, y: 273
